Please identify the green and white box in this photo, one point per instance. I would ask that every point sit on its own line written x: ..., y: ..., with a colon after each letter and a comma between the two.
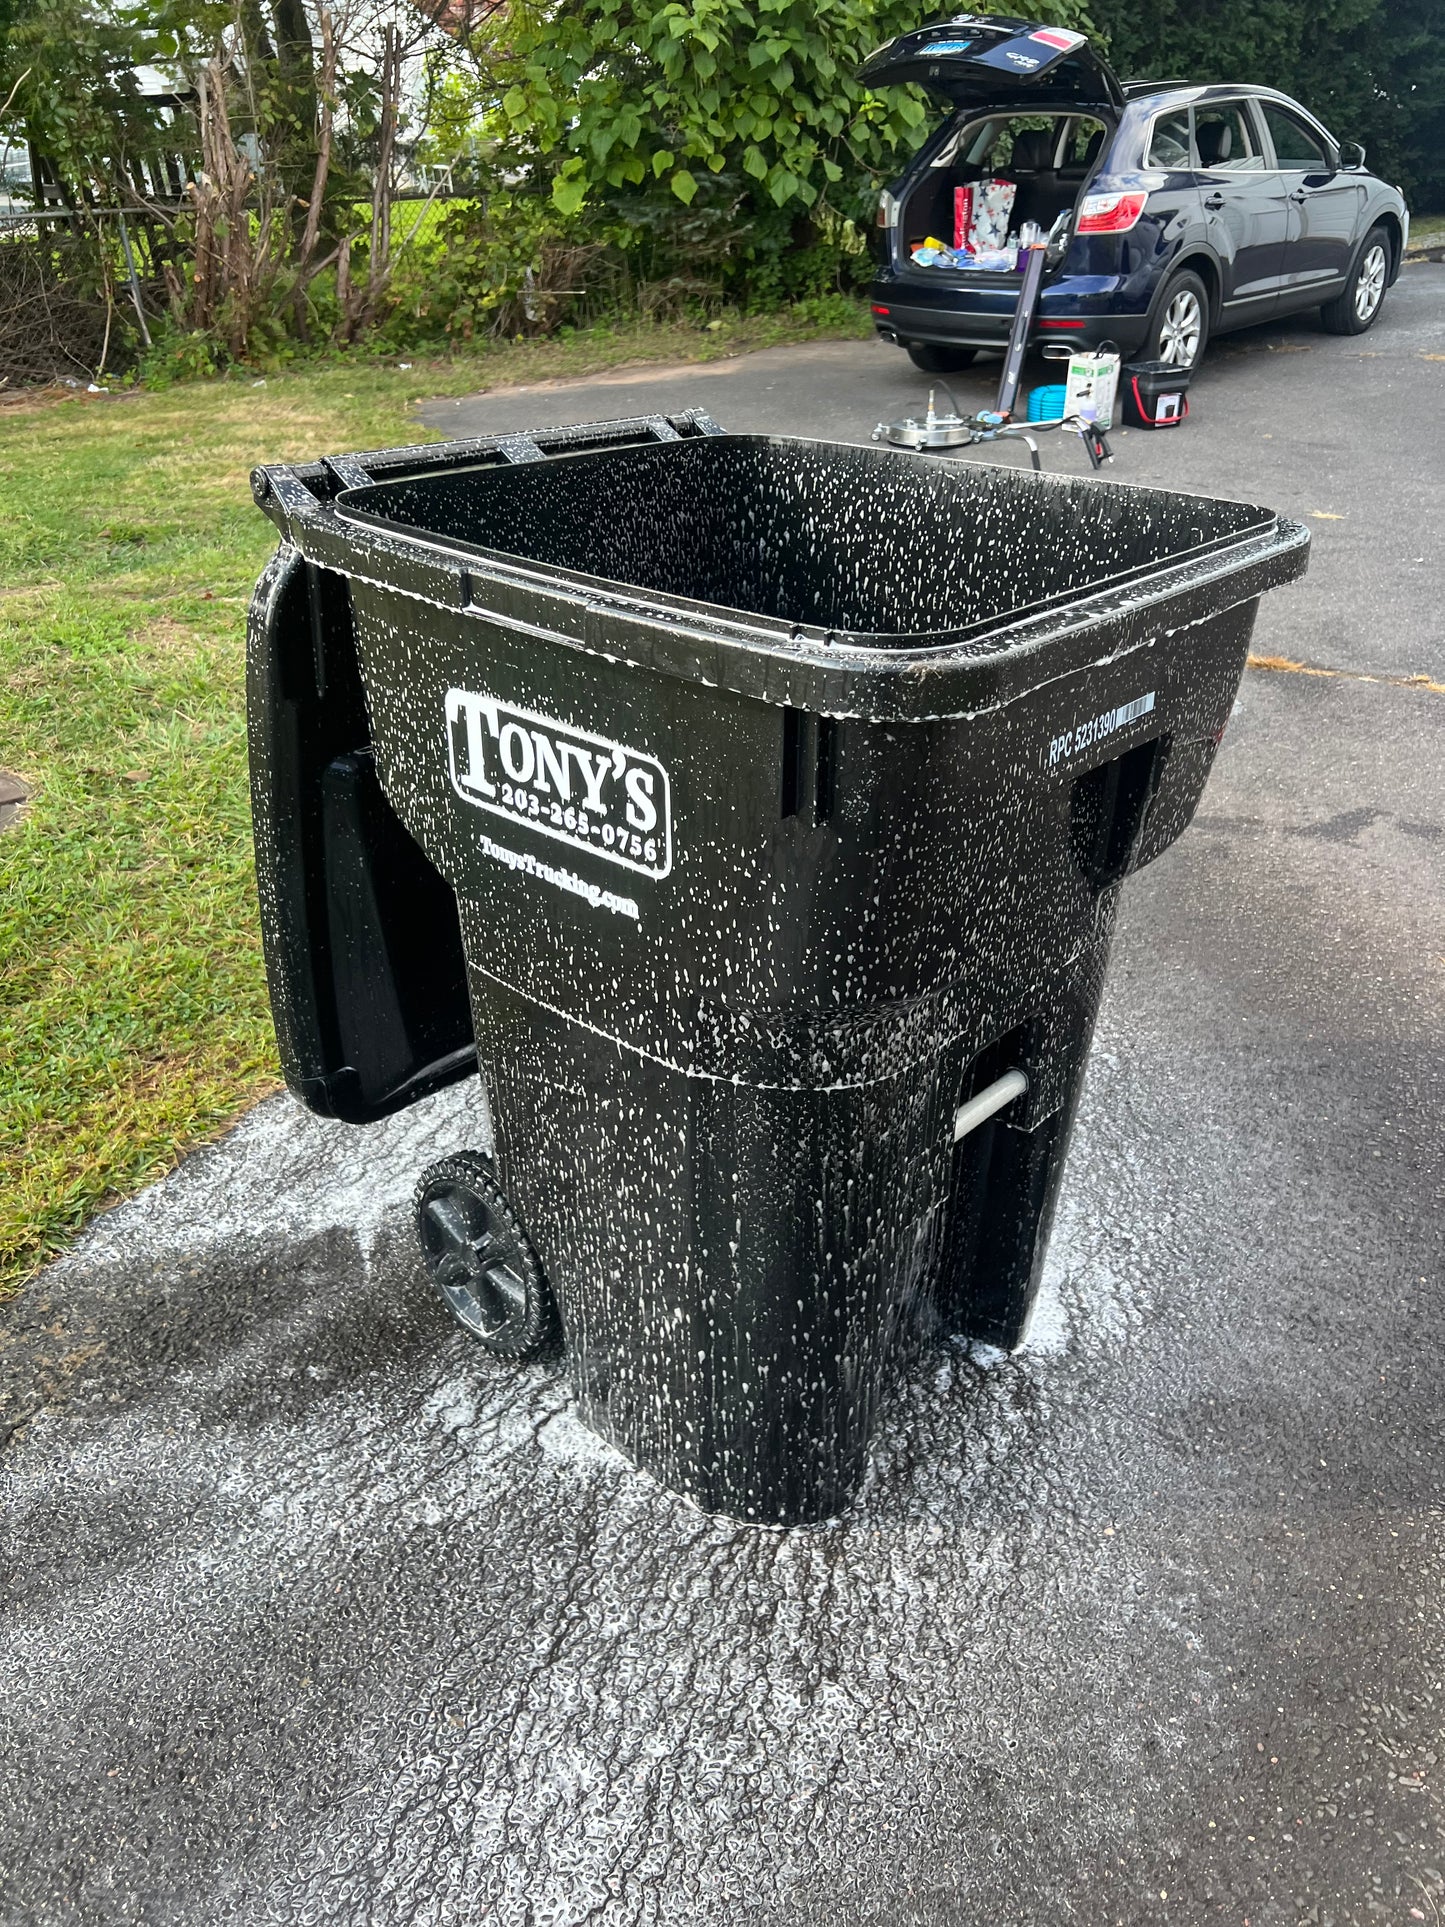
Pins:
x: 1092, y: 384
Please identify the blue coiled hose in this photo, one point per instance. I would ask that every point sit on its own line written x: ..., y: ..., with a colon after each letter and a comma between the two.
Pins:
x: 1047, y: 404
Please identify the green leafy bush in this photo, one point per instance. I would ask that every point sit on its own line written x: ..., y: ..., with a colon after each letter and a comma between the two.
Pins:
x: 177, y: 354
x: 507, y: 264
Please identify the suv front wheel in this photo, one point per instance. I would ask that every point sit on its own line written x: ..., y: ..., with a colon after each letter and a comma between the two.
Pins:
x: 1181, y: 322
x: 1356, y: 309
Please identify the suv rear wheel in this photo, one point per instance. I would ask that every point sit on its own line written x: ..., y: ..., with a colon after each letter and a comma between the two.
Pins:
x: 1181, y: 322
x: 934, y: 360
x: 1356, y: 309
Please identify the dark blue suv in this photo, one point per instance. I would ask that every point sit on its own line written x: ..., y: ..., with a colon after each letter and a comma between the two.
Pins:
x: 1173, y: 212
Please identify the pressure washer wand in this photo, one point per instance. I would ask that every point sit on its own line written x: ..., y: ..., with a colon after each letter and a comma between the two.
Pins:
x: 1023, y: 322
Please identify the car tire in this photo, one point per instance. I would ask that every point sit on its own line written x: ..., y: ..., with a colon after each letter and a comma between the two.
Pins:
x: 1358, y: 307
x: 934, y: 360
x: 1179, y: 331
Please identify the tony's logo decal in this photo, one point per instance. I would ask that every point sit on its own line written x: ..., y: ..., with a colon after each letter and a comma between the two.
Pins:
x: 585, y: 790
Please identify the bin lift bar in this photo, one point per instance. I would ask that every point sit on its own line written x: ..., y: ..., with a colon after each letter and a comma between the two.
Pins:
x: 302, y: 489
x: 996, y: 424
x: 989, y: 1101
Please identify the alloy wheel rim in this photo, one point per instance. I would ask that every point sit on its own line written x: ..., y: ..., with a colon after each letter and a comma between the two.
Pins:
x: 1371, y: 284
x: 1182, y: 327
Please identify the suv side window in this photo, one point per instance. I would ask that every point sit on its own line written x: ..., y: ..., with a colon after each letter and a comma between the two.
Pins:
x: 1295, y: 146
x: 1169, y: 145
x: 1225, y: 139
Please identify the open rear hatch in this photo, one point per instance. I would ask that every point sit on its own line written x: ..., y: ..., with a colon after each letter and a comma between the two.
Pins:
x: 988, y: 69
x: 997, y: 63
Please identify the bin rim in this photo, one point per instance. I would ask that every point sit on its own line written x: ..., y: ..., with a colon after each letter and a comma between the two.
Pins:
x: 315, y: 508
x: 351, y: 507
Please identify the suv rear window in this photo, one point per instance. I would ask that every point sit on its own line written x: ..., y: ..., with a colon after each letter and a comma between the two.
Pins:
x: 1224, y: 138
x: 1071, y: 144
x: 1083, y: 138
x: 1170, y: 145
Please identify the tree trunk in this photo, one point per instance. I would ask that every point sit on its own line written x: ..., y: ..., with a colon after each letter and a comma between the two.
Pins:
x: 298, y: 107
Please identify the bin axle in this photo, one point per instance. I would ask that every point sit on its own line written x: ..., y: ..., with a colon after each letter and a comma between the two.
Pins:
x: 989, y: 1101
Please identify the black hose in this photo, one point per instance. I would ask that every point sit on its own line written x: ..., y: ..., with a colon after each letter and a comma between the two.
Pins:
x: 939, y: 382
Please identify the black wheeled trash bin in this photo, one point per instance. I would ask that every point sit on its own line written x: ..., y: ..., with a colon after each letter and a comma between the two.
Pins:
x: 751, y: 813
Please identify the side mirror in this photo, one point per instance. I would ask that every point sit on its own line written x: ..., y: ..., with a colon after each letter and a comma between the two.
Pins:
x: 1352, y: 156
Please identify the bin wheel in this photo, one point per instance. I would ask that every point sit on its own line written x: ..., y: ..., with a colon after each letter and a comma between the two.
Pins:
x: 480, y: 1259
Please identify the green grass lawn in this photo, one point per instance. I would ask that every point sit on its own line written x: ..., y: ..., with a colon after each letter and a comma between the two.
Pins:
x: 133, y: 1013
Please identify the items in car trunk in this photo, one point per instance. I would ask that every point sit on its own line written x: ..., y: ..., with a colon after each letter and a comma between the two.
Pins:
x: 933, y: 253
x: 990, y: 212
x: 981, y: 215
x: 962, y: 216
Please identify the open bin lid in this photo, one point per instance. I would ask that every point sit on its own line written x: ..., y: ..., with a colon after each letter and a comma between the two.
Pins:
x: 997, y: 62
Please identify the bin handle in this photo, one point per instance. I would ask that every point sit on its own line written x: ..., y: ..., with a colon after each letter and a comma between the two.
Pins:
x: 520, y: 448
x: 991, y: 1099
x: 348, y: 471
x: 527, y: 448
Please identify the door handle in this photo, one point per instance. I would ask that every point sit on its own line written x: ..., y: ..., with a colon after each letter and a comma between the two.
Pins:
x: 1300, y: 194
x: 1214, y: 202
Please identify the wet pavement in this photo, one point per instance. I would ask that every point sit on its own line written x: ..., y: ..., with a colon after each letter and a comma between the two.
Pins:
x: 311, y: 1613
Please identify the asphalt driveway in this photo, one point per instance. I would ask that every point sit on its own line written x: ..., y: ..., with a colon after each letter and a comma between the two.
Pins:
x: 311, y: 1613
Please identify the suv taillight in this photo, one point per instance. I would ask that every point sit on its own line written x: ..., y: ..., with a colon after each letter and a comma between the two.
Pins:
x: 1109, y: 213
x: 887, y: 209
